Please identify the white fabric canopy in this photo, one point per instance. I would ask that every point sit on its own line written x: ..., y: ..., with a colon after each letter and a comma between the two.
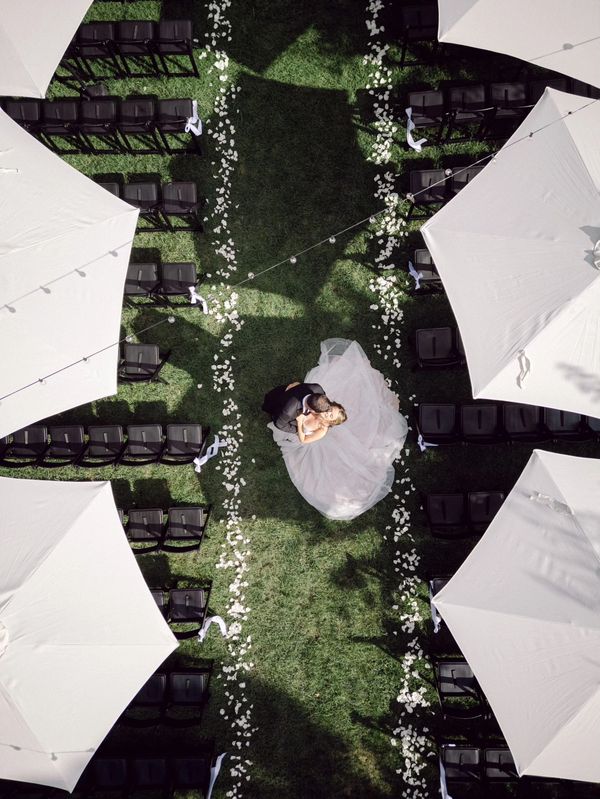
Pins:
x: 33, y: 38
x: 525, y: 611
x: 564, y: 37
x: 80, y: 632
x: 515, y: 250
x: 64, y: 249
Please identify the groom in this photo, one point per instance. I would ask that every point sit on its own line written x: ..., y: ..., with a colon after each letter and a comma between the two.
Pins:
x: 286, y: 403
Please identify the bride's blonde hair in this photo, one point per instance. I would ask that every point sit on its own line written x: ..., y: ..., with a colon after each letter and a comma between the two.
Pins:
x: 341, y: 417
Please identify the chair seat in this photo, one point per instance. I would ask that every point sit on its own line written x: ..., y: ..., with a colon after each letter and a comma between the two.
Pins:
x: 144, y: 443
x: 104, y: 440
x: 461, y: 763
x: 149, y: 772
x: 183, y: 440
x: 172, y: 115
x: 141, y: 280
x: 188, y: 687
x: 438, y: 422
x: 435, y: 346
x: 67, y: 441
x: 112, y: 187
x: 171, y: 34
x: 98, y: 111
x: 482, y: 507
x: 187, y: 604
x: 186, y: 523
x: 447, y: 514
x: 180, y: 197
x: 134, y: 35
x: 140, y: 360
x: 141, y: 195
x: 428, y: 186
x: 136, y: 113
x: 176, y: 278
x: 29, y: 441
x: 480, y: 422
x: 145, y: 524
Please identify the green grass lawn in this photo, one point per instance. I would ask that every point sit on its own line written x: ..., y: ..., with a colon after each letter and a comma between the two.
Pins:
x: 326, y: 641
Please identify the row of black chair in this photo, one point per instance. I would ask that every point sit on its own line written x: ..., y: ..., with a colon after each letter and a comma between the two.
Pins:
x: 172, y: 208
x: 438, y: 347
x: 470, y: 111
x: 103, y: 445
x: 107, y: 125
x: 180, y: 529
x: 473, y: 764
x: 169, y: 691
x: 159, y: 282
x: 183, y: 606
x: 459, y: 514
x: 432, y: 188
x: 128, y: 775
x: 132, y: 48
x: 494, y: 422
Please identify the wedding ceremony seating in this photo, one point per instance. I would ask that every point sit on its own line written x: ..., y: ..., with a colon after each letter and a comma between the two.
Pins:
x: 142, y: 363
x: 128, y: 774
x: 103, y: 445
x: 483, y: 422
x: 166, y: 694
x: 461, y: 514
x: 179, y: 529
x: 458, y: 691
x: 131, y: 48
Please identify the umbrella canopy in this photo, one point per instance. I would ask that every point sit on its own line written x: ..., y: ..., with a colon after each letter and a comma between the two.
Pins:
x: 64, y: 250
x: 79, y: 630
x: 33, y: 39
x: 564, y: 37
x: 525, y: 610
x: 517, y: 252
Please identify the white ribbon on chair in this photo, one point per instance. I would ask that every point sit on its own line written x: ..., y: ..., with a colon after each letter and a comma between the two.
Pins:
x: 214, y: 773
x: 443, y: 784
x: 435, y: 616
x: 417, y: 276
x: 194, y: 123
x: 195, y: 297
x: 218, y: 620
x: 410, y: 126
x: 423, y: 445
x: 210, y: 453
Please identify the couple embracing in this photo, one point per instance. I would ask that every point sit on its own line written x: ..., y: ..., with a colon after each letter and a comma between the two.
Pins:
x: 356, y: 439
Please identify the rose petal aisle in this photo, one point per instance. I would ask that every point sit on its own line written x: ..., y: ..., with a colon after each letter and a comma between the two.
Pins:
x: 409, y: 736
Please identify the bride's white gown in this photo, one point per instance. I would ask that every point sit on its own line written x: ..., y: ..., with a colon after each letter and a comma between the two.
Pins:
x: 351, y: 468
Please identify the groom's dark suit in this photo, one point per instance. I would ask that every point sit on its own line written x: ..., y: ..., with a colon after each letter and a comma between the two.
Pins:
x: 285, y: 406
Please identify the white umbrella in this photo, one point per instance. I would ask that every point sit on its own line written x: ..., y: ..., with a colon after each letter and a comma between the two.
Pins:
x: 79, y: 630
x: 64, y: 249
x: 525, y: 610
x: 33, y: 38
x: 517, y: 253
x: 564, y: 37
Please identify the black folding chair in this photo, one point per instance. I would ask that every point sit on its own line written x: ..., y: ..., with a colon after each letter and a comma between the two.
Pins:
x: 176, y: 280
x: 141, y: 281
x: 185, y: 442
x: 105, y: 446
x: 459, y: 694
x: 98, y: 126
x: 462, y: 176
x: 172, y: 116
x: 428, y: 191
x: 145, y: 526
x: 181, y: 206
x: 142, y: 363
x: 96, y: 42
x: 435, y: 348
x: 148, y: 706
x: 191, y: 773
x: 185, y: 528
x: 482, y: 507
x: 135, y: 46
x: 429, y: 280
x: 186, y: 606
x: 447, y: 515
x: 418, y: 23
x: 429, y: 111
x: 137, y: 126
x: 566, y: 426
x: 26, y: 447
x: 481, y: 423
x: 174, y: 43
x: 150, y: 773
x: 188, y: 691
x: 145, y: 443
x: 67, y: 443
x: 146, y: 197
x: 461, y: 763
x: 469, y: 111
x: 523, y: 423
x: 438, y: 423
x: 59, y: 128
x: 26, y: 112
x: 499, y: 765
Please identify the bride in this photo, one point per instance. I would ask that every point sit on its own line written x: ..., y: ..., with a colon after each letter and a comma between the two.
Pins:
x: 344, y: 469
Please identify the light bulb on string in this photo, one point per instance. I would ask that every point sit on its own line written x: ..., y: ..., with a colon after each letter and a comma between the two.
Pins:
x: 332, y: 239
x: 293, y: 259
